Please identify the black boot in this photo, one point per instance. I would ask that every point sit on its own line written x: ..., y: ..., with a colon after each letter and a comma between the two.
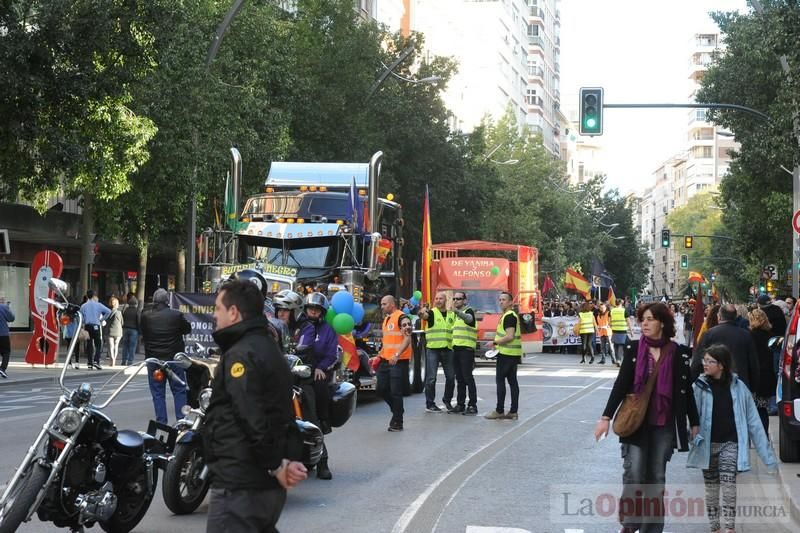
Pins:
x: 583, y: 360
x: 591, y: 359
x: 323, y: 472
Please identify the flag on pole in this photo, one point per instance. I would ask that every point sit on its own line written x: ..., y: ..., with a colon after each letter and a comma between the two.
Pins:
x: 353, y: 207
x: 231, y: 215
x: 698, y: 317
x: 576, y: 282
x: 612, y: 298
x: 427, y: 250
x: 548, y: 285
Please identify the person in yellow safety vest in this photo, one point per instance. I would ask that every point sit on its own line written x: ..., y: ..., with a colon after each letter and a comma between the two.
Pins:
x: 508, y: 343
x: 619, y: 331
x: 586, y: 330
x: 465, y: 340
x: 395, y: 356
x: 439, y: 349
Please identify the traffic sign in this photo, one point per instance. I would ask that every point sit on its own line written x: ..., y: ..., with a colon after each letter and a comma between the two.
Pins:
x: 796, y: 221
x: 770, y: 272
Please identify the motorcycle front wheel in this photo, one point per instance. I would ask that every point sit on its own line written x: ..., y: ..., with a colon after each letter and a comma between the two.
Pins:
x: 19, y: 502
x: 183, y: 489
x: 132, y: 503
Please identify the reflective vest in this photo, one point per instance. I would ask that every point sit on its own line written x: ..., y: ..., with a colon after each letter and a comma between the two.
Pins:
x: 393, y: 337
x: 463, y: 335
x: 618, y: 322
x: 440, y: 335
x: 515, y: 346
x: 603, y: 325
x: 587, y: 322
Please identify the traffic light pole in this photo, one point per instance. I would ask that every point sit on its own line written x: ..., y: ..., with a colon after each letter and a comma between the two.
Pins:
x: 691, y: 105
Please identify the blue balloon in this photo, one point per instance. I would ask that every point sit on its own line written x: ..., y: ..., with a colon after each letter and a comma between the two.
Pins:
x: 413, y: 301
x: 357, y: 313
x: 342, y: 302
x: 406, y: 310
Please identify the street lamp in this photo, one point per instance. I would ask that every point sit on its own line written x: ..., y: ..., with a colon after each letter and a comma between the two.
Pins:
x: 388, y: 70
x: 488, y: 157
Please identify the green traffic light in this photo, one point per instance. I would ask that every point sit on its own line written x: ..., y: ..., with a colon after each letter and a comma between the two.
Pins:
x: 591, y: 123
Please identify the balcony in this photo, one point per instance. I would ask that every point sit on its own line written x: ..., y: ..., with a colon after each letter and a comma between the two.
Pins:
x: 557, y: 68
x: 535, y: 101
x: 558, y: 41
x: 537, y: 12
x: 535, y: 40
x: 557, y: 95
x: 535, y: 72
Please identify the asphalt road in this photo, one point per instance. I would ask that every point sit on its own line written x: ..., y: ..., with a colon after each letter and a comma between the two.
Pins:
x: 449, y: 473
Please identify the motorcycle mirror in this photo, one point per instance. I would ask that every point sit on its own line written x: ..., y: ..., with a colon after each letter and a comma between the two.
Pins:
x: 183, y: 360
x: 50, y: 301
x: 301, y: 371
x: 59, y: 286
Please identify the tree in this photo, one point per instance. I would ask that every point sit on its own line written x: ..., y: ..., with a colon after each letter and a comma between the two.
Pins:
x: 756, y: 193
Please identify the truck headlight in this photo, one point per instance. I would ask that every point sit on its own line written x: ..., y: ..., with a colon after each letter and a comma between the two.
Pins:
x: 68, y: 420
x: 205, y: 399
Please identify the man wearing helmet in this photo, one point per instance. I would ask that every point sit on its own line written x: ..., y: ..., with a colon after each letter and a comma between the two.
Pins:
x: 317, y: 346
x: 288, y: 305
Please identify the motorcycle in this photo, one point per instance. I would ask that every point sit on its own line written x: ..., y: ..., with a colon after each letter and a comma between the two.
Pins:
x: 80, y: 469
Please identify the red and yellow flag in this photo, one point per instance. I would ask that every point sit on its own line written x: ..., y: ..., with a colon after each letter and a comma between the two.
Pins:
x: 612, y: 298
x: 349, y: 352
x: 573, y: 280
x: 427, y: 250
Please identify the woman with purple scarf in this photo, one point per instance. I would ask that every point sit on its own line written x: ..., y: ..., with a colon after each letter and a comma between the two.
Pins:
x: 646, y: 452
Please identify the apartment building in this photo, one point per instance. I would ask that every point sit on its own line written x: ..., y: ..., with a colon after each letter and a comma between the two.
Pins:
x: 508, y: 53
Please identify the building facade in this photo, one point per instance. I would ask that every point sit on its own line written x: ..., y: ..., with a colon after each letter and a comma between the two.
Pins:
x: 508, y: 53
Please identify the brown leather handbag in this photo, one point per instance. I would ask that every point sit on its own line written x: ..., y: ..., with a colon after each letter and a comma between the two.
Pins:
x: 633, y: 409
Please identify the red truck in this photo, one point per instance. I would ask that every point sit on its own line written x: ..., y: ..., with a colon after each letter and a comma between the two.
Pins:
x: 483, y: 269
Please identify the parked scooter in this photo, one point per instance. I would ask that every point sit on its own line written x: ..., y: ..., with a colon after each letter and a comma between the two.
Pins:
x: 80, y: 469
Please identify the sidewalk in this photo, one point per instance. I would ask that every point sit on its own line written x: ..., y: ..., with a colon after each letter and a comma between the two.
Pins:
x: 21, y: 372
x: 787, y: 473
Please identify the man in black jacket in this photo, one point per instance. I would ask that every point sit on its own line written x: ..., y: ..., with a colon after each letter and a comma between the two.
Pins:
x: 737, y: 340
x: 163, y: 330
x: 248, y: 418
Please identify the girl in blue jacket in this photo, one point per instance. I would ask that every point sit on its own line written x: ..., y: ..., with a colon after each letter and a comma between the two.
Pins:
x: 728, y: 422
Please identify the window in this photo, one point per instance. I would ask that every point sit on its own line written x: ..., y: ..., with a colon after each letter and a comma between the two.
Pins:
x: 533, y: 30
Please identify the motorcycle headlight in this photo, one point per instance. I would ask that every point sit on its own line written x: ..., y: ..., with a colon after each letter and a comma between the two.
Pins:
x: 205, y: 399
x: 69, y: 419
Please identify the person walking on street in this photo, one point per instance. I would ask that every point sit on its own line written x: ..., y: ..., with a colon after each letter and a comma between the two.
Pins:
x: 586, y: 331
x: 130, y: 329
x: 619, y: 331
x: 163, y: 330
x: 317, y: 346
x: 465, y: 340
x: 739, y: 341
x: 602, y: 323
x: 728, y: 424
x: 114, y: 330
x: 439, y: 343
x: 508, y: 343
x: 764, y: 388
x: 645, y: 453
x: 249, y: 451
x: 6, y: 317
x: 394, y: 358
x: 94, y: 314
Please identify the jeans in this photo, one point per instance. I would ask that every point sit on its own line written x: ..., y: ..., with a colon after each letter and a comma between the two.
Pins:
x: 244, y: 510
x: 506, y: 370
x: 5, y: 351
x: 644, y: 463
x: 586, y: 345
x: 94, y: 347
x: 605, y: 347
x: 464, y: 362
x: 158, y: 390
x: 433, y: 357
x: 130, y: 339
x: 390, y: 387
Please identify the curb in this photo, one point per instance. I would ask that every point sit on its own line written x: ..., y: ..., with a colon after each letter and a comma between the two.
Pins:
x: 51, y: 378
x: 794, y: 509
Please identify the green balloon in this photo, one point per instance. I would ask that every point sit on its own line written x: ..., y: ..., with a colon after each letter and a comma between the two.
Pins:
x: 330, y: 315
x: 495, y: 270
x: 418, y: 295
x: 343, y: 323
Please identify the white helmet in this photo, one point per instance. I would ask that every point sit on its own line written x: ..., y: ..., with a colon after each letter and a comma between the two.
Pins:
x: 317, y: 299
x: 287, y: 299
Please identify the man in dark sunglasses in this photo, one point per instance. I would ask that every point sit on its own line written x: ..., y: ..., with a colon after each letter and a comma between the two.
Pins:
x: 465, y: 340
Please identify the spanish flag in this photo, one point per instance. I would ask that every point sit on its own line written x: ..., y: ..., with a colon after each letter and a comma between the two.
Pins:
x: 427, y: 250
x: 349, y: 352
x: 576, y: 282
x: 612, y: 298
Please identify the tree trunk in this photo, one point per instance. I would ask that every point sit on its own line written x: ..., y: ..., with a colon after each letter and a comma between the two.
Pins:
x: 180, y: 259
x: 144, y: 246
x: 87, y: 244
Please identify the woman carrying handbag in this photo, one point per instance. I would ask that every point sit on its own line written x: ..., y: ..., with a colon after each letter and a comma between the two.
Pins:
x: 648, y: 447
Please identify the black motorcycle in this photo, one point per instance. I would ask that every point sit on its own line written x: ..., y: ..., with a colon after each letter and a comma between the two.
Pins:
x: 80, y: 469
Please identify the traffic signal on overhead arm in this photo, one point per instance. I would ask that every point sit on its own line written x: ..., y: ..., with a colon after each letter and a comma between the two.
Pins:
x: 665, y: 239
x: 591, y: 107
x: 684, y: 261
x: 770, y: 286
x: 688, y: 241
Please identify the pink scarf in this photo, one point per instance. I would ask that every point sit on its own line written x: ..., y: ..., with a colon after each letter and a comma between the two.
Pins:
x: 661, y: 400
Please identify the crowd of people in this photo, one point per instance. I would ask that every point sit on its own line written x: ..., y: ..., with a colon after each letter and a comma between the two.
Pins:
x: 708, y: 393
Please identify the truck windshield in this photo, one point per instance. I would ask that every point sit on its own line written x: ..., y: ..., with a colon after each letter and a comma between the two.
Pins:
x: 315, y: 257
x: 331, y: 205
x: 484, y: 301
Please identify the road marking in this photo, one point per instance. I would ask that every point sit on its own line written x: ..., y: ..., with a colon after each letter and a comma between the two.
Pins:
x: 474, y: 463
x: 492, y: 529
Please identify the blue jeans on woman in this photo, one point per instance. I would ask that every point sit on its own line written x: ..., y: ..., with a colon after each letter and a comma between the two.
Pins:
x: 130, y: 339
x: 158, y: 390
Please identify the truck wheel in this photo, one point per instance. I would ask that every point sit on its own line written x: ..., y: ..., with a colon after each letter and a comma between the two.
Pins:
x: 789, y: 449
x: 22, y: 497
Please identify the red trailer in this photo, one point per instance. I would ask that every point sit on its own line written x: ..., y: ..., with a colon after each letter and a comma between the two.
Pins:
x: 483, y: 269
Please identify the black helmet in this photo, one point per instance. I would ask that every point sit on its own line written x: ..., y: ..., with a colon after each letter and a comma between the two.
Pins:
x: 253, y: 277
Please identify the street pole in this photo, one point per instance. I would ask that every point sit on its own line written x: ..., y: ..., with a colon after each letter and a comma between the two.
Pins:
x: 795, y: 174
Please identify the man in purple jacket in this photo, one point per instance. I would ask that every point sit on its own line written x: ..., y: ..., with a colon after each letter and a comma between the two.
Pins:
x: 317, y: 346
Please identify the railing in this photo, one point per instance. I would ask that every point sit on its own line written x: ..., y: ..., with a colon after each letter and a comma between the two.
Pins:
x: 535, y: 101
x: 536, y: 72
x: 536, y: 40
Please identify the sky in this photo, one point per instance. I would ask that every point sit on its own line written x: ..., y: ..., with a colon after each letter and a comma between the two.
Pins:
x: 638, y: 51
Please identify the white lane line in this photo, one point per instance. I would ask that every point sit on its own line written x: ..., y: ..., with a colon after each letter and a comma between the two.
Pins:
x: 492, y: 529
